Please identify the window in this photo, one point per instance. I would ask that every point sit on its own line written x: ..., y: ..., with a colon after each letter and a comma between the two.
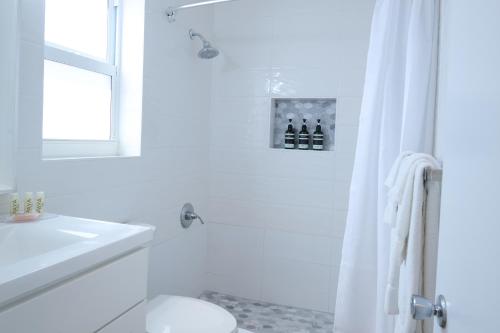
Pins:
x: 80, y: 78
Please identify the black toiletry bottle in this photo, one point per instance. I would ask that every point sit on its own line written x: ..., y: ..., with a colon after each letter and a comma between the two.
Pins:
x: 290, y: 136
x: 304, y: 136
x: 318, y: 137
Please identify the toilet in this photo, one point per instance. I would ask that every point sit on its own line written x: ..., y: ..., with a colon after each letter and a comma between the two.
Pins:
x: 175, y: 314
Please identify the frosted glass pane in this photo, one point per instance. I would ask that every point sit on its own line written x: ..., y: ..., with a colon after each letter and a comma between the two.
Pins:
x: 80, y: 25
x: 76, y: 103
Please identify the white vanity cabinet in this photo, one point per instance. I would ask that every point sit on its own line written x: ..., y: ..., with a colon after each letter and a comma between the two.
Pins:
x: 107, y: 299
x: 71, y: 275
x: 131, y: 322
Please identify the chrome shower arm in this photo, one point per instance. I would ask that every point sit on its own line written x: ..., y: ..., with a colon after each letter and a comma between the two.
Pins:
x: 193, y: 34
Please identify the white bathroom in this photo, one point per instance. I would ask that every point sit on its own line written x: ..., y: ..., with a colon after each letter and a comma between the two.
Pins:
x: 249, y: 166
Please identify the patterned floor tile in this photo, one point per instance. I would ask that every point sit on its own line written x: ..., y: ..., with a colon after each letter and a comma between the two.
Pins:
x: 263, y: 317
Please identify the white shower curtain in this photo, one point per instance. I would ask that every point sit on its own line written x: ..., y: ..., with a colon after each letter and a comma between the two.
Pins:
x: 397, y: 115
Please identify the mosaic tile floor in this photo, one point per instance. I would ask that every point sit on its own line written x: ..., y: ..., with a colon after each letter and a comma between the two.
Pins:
x: 262, y: 317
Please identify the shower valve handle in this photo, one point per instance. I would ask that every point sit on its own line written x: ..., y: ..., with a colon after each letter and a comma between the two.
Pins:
x: 188, y: 216
x: 194, y: 216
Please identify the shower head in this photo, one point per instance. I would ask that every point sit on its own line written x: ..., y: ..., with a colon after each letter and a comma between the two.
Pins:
x: 208, y: 51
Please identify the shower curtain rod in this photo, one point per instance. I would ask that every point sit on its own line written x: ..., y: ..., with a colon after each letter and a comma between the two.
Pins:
x: 172, y: 11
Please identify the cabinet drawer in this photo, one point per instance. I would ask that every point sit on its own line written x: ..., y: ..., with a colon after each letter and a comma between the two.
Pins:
x: 83, y: 304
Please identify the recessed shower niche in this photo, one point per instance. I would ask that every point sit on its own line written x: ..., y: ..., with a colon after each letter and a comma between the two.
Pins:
x: 297, y: 109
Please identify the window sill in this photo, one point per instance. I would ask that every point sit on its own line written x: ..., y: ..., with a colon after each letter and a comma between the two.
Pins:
x: 70, y: 149
x: 5, y: 189
x: 89, y: 158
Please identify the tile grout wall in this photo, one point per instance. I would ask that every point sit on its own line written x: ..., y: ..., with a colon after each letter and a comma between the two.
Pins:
x: 277, y: 217
x: 148, y: 189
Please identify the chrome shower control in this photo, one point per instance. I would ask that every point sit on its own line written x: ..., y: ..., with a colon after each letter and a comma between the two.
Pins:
x: 188, y: 216
x: 422, y: 308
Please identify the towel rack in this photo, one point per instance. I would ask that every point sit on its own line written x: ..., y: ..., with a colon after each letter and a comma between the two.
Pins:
x: 433, y: 175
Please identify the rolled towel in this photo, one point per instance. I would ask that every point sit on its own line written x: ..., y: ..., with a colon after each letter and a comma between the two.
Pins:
x: 404, y: 207
x: 396, y: 183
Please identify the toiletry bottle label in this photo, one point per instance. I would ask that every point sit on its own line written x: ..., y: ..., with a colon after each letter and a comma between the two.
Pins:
x: 40, y: 202
x: 303, y: 141
x: 290, y: 140
x: 14, y: 204
x: 318, y: 140
x: 28, y: 203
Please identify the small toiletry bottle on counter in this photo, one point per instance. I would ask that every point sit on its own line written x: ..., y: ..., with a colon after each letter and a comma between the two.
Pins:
x: 40, y: 202
x: 318, y: 137
x: 28, y: 203
x: 14, y: 204
x: 290, y: 136
x: 304, y: 136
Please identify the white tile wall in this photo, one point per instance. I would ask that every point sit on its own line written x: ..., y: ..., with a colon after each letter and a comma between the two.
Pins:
x: 176, y: 265
x: 235, y: 254
x: 285, y: 210
x: 149, y: 189
x: 276, y: 217
x: 296, y: 246
x: 8, y: 89
x: 297, y: 283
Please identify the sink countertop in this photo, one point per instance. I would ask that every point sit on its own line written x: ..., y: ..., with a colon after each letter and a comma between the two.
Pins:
x: 36, y: 255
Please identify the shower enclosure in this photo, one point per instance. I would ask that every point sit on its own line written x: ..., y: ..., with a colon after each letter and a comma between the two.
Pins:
x: 275, y: 218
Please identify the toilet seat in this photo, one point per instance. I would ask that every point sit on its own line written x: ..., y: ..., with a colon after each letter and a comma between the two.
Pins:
x: 175, y: 314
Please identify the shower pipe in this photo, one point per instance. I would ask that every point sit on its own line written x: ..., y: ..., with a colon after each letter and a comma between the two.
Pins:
x: 172, y: 11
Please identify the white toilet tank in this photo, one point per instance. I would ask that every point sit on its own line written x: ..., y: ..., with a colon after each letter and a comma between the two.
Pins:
x: 174, y: 314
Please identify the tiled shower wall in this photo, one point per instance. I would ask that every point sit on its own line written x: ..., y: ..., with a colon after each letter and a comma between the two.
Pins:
x: 277, y: 217
x: 148, y: 189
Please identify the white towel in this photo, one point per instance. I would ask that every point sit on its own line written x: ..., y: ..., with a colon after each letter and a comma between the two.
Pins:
x: 404, y: 213
x: 396, y: 182
x: 392, y: 201
x: 411, y: 272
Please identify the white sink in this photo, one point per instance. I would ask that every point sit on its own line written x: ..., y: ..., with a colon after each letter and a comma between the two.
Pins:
x: 38, y: 254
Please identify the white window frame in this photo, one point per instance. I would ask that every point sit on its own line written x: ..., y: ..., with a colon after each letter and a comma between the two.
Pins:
x: 60, y: 148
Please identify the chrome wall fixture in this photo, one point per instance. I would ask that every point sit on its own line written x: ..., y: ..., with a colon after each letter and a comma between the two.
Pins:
x: 208, y: 51
x: 422, y: 309
x: 172, y: 11
x: 433, y: 175
x: 188, y: 216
